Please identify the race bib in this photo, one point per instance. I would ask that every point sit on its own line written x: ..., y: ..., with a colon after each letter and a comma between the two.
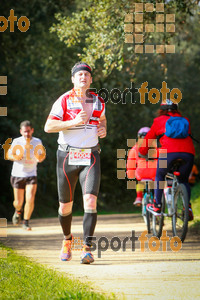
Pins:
x: 79, y: 156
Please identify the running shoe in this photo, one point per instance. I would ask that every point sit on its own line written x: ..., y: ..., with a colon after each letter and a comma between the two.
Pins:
x: 191, y: 216
x: 138, y: 201
x: 16, y: 219
x: 66, y: 253
x: 86, y: 255
x: 154, y: 208
x: 27, y: 227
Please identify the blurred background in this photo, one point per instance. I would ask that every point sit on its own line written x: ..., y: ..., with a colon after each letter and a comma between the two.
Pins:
x: 38, y: 66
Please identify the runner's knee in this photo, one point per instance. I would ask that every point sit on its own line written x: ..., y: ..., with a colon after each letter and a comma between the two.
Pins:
x: 30, y: 201
x: 90, y: 203
x: 65, y: 209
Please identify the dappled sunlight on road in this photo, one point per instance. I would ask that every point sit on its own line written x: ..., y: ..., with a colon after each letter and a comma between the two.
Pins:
x: 138, y: 273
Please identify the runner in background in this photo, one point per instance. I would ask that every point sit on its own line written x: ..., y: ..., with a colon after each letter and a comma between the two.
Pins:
x: 25, y: 152
x: 141, y: 168
x: 79, y: 117
x: 193, y: 175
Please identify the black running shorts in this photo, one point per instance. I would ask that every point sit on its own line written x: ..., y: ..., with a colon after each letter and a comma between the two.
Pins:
x: 67, y: 176
x: 21, y: 182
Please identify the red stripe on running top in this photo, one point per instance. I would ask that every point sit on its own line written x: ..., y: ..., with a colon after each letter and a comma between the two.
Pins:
x: 70, y: 190
x: 89, y: 171
x: 51, y: 117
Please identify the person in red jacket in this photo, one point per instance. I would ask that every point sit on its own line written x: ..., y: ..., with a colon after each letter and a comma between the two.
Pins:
x: 141, y: 168
x: 175, y: 148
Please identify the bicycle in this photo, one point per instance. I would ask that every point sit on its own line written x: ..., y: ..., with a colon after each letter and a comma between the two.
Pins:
x: 147, y: 198
x: 175, y: 204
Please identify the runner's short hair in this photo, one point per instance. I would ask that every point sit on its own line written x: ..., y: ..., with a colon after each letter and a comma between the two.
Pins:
x: 81, y: 65
x: 26, y: 123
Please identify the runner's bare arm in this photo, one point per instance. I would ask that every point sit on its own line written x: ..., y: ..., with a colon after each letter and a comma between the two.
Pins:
x: 40, y: 157
x: 101, y: 127
x: 57, y: 125
x: 12, y: 155
x: 39, y: 160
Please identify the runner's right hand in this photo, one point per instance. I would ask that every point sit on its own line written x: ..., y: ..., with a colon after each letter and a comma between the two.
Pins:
x: 80, y: 118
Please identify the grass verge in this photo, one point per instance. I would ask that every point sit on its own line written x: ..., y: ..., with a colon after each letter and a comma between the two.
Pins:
x: 21, y: 278
x: 195, y: 200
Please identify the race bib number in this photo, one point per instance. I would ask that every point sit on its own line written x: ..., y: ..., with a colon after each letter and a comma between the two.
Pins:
x: 79, y: 156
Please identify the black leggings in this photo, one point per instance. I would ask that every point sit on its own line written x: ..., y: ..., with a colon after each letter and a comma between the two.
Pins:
x: 67, y: 176
x: 184, y: 170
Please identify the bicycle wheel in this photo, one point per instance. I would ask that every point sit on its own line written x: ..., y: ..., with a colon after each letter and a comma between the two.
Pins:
x: 158, y: 221
x: 181, y: 216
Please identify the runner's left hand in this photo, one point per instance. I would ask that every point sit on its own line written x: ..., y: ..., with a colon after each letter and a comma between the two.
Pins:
x: 101, y: 131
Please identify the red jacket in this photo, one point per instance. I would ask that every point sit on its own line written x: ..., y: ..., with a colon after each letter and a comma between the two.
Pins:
x: 170, y: 144
x: 139, y: 168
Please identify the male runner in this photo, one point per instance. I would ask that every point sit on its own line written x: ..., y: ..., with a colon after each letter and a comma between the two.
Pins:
x: 26, y: 151
x: 79, y: 117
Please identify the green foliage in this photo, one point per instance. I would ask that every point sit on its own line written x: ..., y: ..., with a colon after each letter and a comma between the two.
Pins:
x: 195, y: 200
x: 38, y: 65
x: 22, y: 278
x: 99, y: 26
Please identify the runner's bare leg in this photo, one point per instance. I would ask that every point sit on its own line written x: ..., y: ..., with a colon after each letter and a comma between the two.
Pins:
x: 30, y: 198
x: 18, y: 198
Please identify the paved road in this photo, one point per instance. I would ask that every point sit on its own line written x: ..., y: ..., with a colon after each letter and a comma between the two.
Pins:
x: 130, y: 274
